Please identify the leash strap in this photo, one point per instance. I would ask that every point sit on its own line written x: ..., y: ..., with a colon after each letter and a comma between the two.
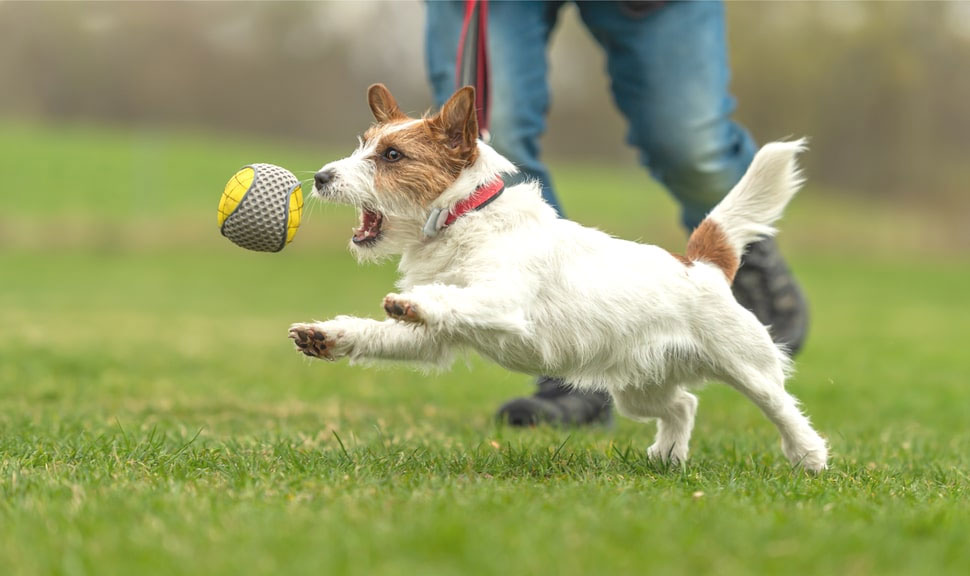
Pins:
x: 472, y: 65
x: 471, y: 70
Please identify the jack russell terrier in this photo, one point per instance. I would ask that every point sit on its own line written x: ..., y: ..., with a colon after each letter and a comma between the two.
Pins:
x: 492, y: 268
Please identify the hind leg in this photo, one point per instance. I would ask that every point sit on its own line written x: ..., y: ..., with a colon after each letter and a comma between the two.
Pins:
x: 800, y: 442
x: 674, y: 409
x: 763, y: 381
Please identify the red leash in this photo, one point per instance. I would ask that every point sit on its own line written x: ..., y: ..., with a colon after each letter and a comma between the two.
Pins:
x: 471, y: 70
x: 472, y: 65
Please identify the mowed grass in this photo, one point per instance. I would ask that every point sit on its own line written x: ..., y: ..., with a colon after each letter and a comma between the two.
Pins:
x: 154, y: 418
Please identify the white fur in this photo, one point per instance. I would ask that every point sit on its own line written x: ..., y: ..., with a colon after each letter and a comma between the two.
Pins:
x: 757, y: 201
x: 543, y: 295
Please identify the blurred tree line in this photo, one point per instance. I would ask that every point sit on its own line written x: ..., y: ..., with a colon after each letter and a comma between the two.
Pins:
x: 882, y: 89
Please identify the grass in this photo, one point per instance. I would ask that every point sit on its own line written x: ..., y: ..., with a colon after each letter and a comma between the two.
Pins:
x: 154, y: 419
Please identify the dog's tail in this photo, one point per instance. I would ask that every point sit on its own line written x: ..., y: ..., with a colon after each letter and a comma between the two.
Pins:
x: 748, y: 211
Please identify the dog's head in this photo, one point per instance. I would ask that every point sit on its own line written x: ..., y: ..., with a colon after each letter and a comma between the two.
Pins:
x: 401, y: 167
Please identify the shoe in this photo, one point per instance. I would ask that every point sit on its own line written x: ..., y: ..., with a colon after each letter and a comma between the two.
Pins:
x: 765, y: 285
x: 557, y: 404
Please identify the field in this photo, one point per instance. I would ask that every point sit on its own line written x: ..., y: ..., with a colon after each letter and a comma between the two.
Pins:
x: 154, y: 418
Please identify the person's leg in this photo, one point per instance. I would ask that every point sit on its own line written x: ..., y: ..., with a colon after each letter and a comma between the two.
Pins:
x: 518, y: 35
x: 670, y: 78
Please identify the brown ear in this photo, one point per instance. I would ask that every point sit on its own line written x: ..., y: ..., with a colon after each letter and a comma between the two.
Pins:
x: 383, y: 105
x: 459, y: 120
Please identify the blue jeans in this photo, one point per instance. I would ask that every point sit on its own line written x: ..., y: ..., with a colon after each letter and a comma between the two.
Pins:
x: 669, y: 77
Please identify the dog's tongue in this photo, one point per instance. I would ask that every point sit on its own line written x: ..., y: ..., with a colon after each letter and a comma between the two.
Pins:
x: 370, y: 227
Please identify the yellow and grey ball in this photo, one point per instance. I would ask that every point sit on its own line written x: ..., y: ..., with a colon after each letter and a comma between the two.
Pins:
x: 260, y: 208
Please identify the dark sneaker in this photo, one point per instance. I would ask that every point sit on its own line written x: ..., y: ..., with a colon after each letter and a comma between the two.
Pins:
x: 765, y: 285
x: 557, y: 404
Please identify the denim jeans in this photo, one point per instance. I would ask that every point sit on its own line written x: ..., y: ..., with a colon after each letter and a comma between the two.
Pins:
x: 669, y: 77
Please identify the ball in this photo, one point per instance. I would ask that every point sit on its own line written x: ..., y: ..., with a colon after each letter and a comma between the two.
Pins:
x: 260, y: 208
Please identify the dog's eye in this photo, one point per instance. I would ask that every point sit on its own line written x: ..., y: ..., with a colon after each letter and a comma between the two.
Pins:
x: 392, y: 155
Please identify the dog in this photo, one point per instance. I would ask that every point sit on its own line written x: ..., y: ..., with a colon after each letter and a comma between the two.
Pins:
x: 494, y: 269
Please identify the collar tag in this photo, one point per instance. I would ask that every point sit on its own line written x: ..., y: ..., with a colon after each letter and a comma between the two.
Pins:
x: 431, y: 226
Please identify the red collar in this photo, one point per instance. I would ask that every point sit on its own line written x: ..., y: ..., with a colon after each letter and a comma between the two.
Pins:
x: 482, y: 197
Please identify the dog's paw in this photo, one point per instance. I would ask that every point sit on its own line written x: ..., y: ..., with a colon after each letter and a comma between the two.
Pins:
x: 314, y: 340
x: 812, y: 456
x: 403, y: 309
x: 667, y: 453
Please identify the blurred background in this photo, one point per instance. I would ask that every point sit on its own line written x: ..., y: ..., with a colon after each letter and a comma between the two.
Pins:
x: 880, y: 88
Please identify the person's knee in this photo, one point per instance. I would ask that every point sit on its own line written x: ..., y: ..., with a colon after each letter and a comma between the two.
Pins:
x: 692, y: 157
x: 699, y: 169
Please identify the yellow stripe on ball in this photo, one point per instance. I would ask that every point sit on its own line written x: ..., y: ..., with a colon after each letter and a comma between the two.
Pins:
x: 296, y: 212
x: 235, y: 190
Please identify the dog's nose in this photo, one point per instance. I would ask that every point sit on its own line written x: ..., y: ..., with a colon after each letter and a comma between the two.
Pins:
x: 322, y: 178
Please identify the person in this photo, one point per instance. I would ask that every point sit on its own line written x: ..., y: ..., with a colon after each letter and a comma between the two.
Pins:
x: 668, y: 67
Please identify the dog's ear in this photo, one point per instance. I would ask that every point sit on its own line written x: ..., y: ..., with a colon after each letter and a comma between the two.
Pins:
x: 459, y: 121
x: 383, y: 104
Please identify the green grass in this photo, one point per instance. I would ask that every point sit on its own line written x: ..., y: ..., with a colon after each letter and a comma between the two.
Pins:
x: 154, y: 419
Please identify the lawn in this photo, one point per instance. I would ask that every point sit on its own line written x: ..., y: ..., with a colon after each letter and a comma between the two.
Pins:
x: 154, y: 418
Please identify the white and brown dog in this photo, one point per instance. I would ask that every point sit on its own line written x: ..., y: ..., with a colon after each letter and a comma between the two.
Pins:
x: 494, y: 269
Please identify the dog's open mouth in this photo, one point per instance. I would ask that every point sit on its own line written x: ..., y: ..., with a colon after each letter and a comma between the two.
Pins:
x: 370, y: 228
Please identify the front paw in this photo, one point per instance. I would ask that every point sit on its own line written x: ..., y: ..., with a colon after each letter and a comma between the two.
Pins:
x: 316, y: 341
x: 403, y: 309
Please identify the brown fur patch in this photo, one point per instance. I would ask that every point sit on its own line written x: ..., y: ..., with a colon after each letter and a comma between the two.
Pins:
x: 681, y: 258
x: 434, y: 150
x: 709, y: 243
